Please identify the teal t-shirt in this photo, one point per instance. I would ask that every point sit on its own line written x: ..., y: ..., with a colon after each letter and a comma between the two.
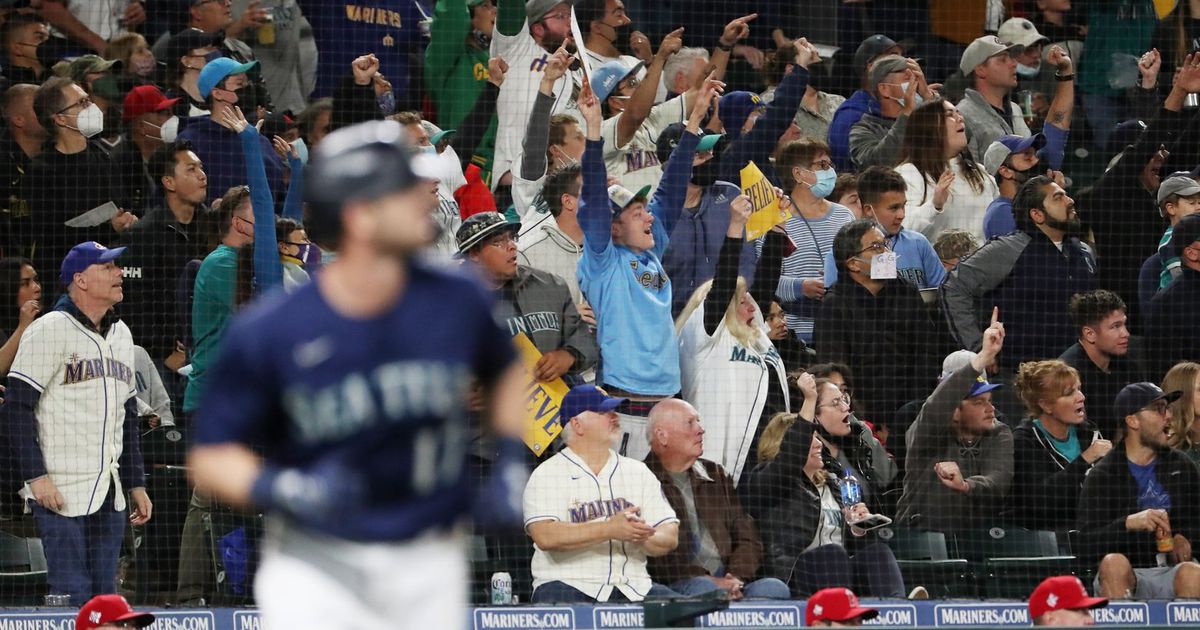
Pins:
x: 1068, y: 448
x: 212, y: 308
x: 1121, y: 27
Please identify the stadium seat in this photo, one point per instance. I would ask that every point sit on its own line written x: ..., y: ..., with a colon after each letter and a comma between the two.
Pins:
x: 1014, y: 560
x: 924, y: 559
x: 22, y: 571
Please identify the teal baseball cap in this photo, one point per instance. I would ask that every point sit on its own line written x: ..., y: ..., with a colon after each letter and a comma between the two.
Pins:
x: 216, y: 70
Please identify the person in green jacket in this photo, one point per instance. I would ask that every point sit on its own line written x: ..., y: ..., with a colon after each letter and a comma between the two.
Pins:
x: 456, y: 65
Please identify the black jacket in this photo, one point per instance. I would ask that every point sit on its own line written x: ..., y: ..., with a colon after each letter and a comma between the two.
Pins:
x: 1101, y: 388
x: 1110, y: 494
x: 1172, y: 323
x: 1045, y: 488
x: 889, y: 340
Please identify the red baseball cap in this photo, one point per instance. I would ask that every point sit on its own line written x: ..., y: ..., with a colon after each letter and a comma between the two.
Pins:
x: 144, y: 99
x: 1061, y: 592
x: 103, y: 609
x: 835, y: 604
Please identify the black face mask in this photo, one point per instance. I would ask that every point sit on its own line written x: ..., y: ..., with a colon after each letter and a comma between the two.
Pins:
x: 1020, y: 177
x: 705, y: 174
x: 249, y: 102
x: 621, y: 36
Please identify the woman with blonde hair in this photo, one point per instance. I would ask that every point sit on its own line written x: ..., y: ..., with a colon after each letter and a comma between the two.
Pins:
x: 729, y: 368
x: 1053, y: 448
x: 809, y: 540
x: 1185, y: 431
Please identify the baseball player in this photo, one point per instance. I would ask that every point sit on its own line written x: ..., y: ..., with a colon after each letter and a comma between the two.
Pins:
x: 347, y: 425
x: 74, y: 418
x: 595, y: 516
x: 104, y: 612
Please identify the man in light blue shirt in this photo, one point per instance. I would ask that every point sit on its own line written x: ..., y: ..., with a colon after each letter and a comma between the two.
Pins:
x: 882, y: 193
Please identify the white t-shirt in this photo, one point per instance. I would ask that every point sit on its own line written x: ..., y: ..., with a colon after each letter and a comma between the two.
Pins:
x: 564, y: 489
x: 829, y: 528
x: 102, y: 17
x: 964, y: 209
x: 526, y: 61
x: 636, y: 163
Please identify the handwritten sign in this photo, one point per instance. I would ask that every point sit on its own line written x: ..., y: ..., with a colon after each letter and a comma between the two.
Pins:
x: 767, y: 213
x: 542, y: 401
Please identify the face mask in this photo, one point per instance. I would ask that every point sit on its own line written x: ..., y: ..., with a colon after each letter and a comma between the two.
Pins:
x: 705, y: 174
x: 824, y: 186
x: 90, y: 121
x: 429, y: 150
x: 1021, y: 177
x: 1027, y: 71
x: 301, y: 150
x: 144, y: 67
x: 883, y: 266
x: 213, y: 56
x: 387, y: 102
x: 621, y: 36
x: 904, y: 89
x: 169, y: 130
x: 247, y: 99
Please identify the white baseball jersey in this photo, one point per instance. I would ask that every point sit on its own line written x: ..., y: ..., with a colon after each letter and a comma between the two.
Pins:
x: 636, y: 162
x: 526, y: 61
x: 564, y: 489
x: 84, y: 380
x: 727, y: 382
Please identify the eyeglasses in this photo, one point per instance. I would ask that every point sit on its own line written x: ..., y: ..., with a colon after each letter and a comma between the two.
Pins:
x: 844, y: 399
x: 241, y: 219
x: 1159, y: 407
x: 85, y: 102
x: 556, y: 16
x: 823, y: 165
x: 878, y: 247
x: 500, y: 241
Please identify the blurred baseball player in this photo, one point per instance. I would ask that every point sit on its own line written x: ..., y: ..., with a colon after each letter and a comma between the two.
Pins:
x: 347, y: 424
x: 104, y: 612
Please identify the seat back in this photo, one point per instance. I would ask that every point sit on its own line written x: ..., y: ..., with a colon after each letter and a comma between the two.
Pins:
x: 915, y: 544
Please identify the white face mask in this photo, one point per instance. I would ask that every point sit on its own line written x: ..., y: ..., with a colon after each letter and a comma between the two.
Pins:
x: 904, y: 90
x: 90, y: 121
x: 301, y: 150
x: 1028, y: 72
x: 169, y: 130
x: 883, y: 266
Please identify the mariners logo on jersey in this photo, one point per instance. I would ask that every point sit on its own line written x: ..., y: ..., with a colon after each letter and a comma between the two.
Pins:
x: 638, y: 159
x: 581, y: 512
x: 79, y: 370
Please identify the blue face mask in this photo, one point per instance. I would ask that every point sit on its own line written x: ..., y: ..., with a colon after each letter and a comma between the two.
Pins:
x: 1028, y: 72
x: 824, y: 186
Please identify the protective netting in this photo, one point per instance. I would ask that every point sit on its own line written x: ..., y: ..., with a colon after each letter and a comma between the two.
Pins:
x: 894, y: 295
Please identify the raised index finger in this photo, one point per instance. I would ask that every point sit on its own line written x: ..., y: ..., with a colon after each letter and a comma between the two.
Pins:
x: 995, y: 315
x: 746, y: 18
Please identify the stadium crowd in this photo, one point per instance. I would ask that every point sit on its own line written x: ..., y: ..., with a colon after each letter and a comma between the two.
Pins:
x: 958, y: 299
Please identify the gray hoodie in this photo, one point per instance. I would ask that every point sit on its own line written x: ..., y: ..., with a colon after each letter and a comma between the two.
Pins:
x: 539, y: 304
x: 875, y: 140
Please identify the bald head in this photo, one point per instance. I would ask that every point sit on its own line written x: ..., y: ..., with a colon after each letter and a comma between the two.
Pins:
x: 675, y: 434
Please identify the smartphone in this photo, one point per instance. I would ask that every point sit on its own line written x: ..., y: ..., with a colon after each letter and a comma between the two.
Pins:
x: 874, y: 521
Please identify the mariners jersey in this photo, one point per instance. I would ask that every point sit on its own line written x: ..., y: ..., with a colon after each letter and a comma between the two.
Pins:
x: 371, y: 409
x: 564, y: 489
x: 636, y: 162
x: 84, y: 379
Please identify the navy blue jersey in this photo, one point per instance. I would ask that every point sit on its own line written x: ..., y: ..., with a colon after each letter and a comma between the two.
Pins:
x: 364, y: 417
x: 390, y: 29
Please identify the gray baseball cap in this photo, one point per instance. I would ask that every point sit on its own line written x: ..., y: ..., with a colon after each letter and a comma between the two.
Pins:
x: 1021, y: 32
x: 1180, y: 184
x: 535, y: 10
x: 982, y: 49
x: 884, y: 66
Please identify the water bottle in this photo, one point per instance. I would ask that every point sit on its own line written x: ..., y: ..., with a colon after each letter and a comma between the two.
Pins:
x: 502, y: 589
x: 851, y: 489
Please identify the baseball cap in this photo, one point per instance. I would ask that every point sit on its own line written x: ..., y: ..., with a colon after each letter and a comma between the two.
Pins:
x: 144, y: 99
x: 1004, y: 146
x: 980, y: 50
x: 835, y: 604
x: 1021, y: 32
x: 187, y: 40
x: 277, y: 124
x: 535, y: 10
x: 871, y: 48
x: 87, y: 64
x: 1061, y: 592
x: 478, y: 227
x: 216, y: 70
x: 621, y: 196
x: 1186, y: 232
x: 1137, y: 396
x: 884, y: 66
x: 444, y: 134
x: 981, y: 386
x: 583, y: 398
x: 607, y: 77
x: 106, y: 609
x: 955, y: 361
x: 669, y: 139
x: 1124, y: 134
x: 1180, y: 184
x: 85, y: 255
x: 735, y: 108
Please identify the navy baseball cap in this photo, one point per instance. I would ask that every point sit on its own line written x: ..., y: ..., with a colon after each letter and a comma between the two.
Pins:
x: 981, y: 386
x: 216, y: 70
x: 85, y: 255
x: 669, y: 139
x: 1137, y: 396
x: 1005, y: 146
x: 874, y: 46
x: 583, y: 398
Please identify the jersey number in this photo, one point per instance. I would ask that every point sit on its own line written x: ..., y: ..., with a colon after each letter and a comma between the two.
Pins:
x: 438, y: 457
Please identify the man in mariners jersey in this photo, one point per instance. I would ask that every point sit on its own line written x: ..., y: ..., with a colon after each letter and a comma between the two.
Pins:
x: 595, y: 516
x: 534, y: 302
x: 72, y: 411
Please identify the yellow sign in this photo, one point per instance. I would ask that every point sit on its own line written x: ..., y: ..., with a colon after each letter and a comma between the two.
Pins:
x: 1164, y: 7
x: 767, y: 213
x: 542, y: 401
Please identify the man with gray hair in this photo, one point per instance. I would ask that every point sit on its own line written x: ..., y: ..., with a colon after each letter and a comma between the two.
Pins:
x: 682, y: 71
x: 721, y: 550
x: 900, y: 86
x: 585, y: 498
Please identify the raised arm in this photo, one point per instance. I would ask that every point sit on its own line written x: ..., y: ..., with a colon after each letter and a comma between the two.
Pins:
x: 537, y: 131
x: 268, y: 269
x: 1062, y: 107
x: 595, y: 215
x: 293, y: 203
x: 672, y: 189
x: 724, y: 284
x: 510, y: 16
x: 643, y: 97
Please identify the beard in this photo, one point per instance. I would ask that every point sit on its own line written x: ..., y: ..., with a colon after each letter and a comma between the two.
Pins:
x: 1070, y: 227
